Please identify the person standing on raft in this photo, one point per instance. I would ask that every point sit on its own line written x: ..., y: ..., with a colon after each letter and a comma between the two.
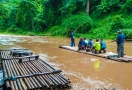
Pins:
x: 72, y: 38
x: 120, y: 43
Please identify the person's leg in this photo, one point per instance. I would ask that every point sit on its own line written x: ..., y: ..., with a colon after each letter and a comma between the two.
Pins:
x: 72, y: 42
x: 78, y: 48
x: 119, y: 50
x: 122, y: 50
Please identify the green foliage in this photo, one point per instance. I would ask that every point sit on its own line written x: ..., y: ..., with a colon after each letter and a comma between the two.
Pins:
x: 100, y: 32
x: 72, y: 7
x: 117, y: 23
x: 3, y: 11
x: 39, y: 22
x: 55, y: 30
x: 58, y: 17
x: 107, y: 6
x: 127, y: 21
x: 128, y: 33
x: 79, y: 23
x: 51, y: 12
x: 26, y: 12
x: 128, y: 6
x: 15, y: 30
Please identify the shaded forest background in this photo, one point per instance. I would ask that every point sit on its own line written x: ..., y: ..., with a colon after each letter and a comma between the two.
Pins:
x: 88, y: 18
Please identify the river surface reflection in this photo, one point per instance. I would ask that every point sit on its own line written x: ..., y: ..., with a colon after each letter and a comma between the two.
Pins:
x: 85, y: 72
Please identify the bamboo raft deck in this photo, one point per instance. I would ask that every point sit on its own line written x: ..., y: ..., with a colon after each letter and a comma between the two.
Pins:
x: 113, y: 56
x: 30, y: 73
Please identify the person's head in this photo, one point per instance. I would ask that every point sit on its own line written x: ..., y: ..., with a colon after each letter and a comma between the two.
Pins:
x: 97, y: 40
x: 119, y: 31
x: 101, y: 40
x: 81, y: 39
x: 90, y: 39
x: 71, y: 30
x: 84, y: 38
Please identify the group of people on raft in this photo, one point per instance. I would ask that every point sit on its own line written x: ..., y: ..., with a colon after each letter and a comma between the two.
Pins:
x: 99, y: 45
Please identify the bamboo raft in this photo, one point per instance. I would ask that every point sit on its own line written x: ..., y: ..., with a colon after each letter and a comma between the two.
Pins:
x: 112, y: 56
x: 30, y: 72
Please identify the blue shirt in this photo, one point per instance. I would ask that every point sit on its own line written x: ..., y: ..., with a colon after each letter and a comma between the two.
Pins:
x: 85, y: 41
x: 103, y: 45
x: 72, y: 35
x: 90, y: 43
x: 120, y: 39
x: 81, y: 43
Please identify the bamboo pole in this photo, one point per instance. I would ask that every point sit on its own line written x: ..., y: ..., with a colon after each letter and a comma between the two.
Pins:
x: 28, y: 72
x: 5, y: 75
x: 9, y: 74
x: 25, y: 73
x: 51, y: 69
x: 52, y: 75
x: 44, y: 76
x: 42, y: 70
x: 18, y: 74
x: 26, y: 80
x: 14, y: 74
x: 33, y: 70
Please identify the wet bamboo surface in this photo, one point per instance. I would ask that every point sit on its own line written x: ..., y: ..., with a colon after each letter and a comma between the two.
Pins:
x: 103, y: 55
x: 12, y: 67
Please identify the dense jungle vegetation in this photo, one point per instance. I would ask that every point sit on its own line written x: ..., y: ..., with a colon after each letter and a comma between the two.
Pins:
x: 88, y: 18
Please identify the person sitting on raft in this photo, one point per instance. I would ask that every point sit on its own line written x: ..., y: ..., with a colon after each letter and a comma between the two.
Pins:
x: 96, y: 46
x: 103, y: 44
x: 86, y: 43
x: 90, y: 44
x: 81, y: 44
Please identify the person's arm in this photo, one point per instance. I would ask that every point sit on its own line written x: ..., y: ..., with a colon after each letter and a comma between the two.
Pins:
x: 117, y: 39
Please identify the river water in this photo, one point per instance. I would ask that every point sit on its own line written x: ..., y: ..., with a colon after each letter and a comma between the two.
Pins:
x: 86, y: 72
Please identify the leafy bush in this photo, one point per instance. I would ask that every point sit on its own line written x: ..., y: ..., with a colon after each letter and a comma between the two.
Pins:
x: 15, y: 29
x: 128, y: 6
x: 128, y: 33
x: 100, y: 32
x: 55, y: 30
x: 12, y: 29
x: 79, y: 23
x: 117, y: 23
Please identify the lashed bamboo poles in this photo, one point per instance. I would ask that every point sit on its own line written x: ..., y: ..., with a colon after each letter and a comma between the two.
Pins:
x: 17, y: 82
x: 43, y: 70
x: 18, y: 74
x: 30, y: 80
x: 48, y: 81
x: 39, y: 79
x: 9, y: 74
x: 33, y: 70
x: 57, y: 82
x: 34, y: 81
x: 23, y: 69
x: 26, y: 80
x: 62, y: 78
x: 51, y: 69
x: 5, y: 75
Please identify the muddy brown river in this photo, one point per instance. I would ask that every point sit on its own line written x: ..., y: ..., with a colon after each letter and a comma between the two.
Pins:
x: 86, y: 72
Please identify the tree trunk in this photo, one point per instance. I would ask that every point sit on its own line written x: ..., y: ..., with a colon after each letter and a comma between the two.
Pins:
x: 87, y: 6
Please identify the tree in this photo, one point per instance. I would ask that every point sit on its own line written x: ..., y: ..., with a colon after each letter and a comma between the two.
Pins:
x: 52, y: 13
x: 87, y: 7
x: 27, y: 10
x: 3, y: 11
